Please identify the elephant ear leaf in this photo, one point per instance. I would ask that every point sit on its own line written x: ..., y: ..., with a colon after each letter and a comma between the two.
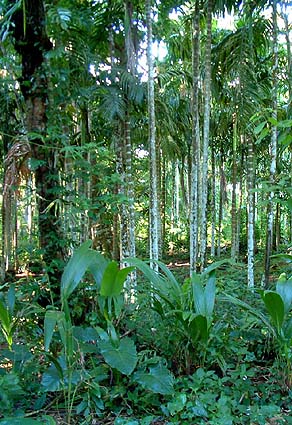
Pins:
x: 122, y: 357
x: 275, y: 307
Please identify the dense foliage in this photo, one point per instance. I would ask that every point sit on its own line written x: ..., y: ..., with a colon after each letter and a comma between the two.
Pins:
x: 135, y: 130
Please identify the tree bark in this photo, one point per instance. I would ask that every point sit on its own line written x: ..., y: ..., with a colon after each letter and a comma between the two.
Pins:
x: 195, y: 147
x: 273, y: 150
x: 154, y: 211
x: 250, y: 212
x: 32, y: 42
x: 206, y: 131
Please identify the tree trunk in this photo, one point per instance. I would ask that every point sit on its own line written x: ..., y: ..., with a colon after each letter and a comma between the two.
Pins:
x: 32, y: 42
x: 206, y: 131
x: 234, y: 184
x: 195, y: 147
x: 154, y: 211
x: 273, y: 151
x: 213, y: 202
x: 250, y: 212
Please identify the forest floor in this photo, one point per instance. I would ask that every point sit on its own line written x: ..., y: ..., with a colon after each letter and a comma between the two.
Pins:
x: 249, y: 377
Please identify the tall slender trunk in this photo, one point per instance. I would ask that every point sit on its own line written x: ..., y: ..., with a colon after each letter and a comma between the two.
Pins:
x: 84, y: 223
x: 154, y: 211
x: 184, y: 191
x: 250, y: 212
x: 273, y: 151
x: 234, y: 185
x: 277, y: 231
x: 163, y: 205
x: 222, y: 200
x: 285, y: 15
x: 206, y: 131
x: 159, y: 195
x: 195, y: 147
x: 238, y: 227
x: 213, y: 202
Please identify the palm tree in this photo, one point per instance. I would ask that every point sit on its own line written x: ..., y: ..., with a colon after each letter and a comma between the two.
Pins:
x: 206, y: 132
x: 195, y: 147
x: 154, y: 210
x: 273, y: 146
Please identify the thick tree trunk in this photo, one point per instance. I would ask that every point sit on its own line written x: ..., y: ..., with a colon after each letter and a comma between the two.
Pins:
x: 32, y: 42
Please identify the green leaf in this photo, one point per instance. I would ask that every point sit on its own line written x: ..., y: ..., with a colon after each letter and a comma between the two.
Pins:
x: 49, y: 327
x: 210, y: 291
x: 158, y: 379
x: 97, y: 268
x: 285, y: 139
x: 217, y: 265
x: 259, y: 127
x: 85, y: 334
x: 11, y: 298
x: 285, y: 124
x: 288, y: 330
x: 199, y: 328
x: 275, y: 306
x: 178, y: 404
x: 198, y: 294
x: 5, y: 317
x: 204, y: 298
x: 284, y: 289
x: 51, y: 380
x: 75, y: 268
x: 273, y: 121
x: 113, y: 280
x: 263, y: 134
x: 123, y: 358
x: 20, y: 421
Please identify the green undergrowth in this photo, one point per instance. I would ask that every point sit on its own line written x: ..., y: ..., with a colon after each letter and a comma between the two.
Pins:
x: 174, y: 351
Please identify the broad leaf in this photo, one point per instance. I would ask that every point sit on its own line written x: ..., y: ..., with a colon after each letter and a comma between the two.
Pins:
x: 199, y: 329
x: 85, y: 334
x: 52, y: 380
x: 284, y: 288
x: 198, y: 294
x: 97, y: 267
x: 210, y: 291
x: 51, y: 319
x: 113, y: 280
x: 275, y: 306
x: 288, y: 330
x: 76, y: 268
x: 123, y: 358
x: 158, y: 379
x: 49, y: 327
